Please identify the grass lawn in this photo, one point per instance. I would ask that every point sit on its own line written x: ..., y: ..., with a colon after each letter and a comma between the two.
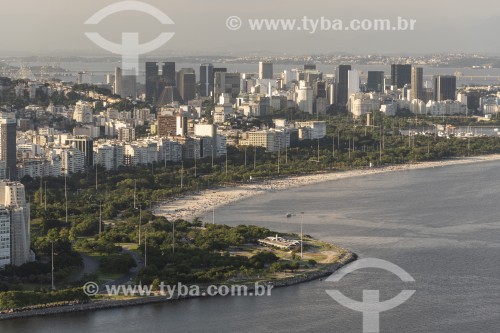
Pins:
x: 129, y: 246
x: 33, y: 286
x: 106, y: 277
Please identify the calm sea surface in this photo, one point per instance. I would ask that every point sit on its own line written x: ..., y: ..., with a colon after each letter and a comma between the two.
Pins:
x: 441, y: 225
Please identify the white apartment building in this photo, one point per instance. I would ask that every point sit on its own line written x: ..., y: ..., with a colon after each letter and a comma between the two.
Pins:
x: 5, y: 234
x: 271, y: 140
x: 40, y: 167
x: 353, y: 82
x: 12, y: 196
x: 72, y: 160
x: 105, y: 156
x: 360, y: 104
x: 304, y: 97
x: 169, y: 151
x: 445, y: 108
x: 418, y: 106
x: 139, y: 153
x: 83, y: 112
x: 318, y: 128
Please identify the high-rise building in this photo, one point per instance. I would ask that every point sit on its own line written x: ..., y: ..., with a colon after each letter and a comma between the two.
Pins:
x: 118, y: 82
x: 110, y: 79
x: 311, y: 76
x: 375, y: 81
x: 265, y: 70
x: 445, y: 87
x: 153, y: 82
x: 8, y: 146
x: 13, y: 198
x: 72, y: 161
x: 342, y: 80
x: 227, y: 83
x: 331, y: 94
x: 86, y: 145
x: 5, y: 246
x: 166, y: 126
x: 400, y: 75
x: 186, y: 83
x: 220, y: 70
x: 168, y: 74
x: 417, y: 83
x: 83, y: 112
x: 309, y: 67
x: 473, y: 100
x: 160, y: 87
x: 207, y: 131
x: 353, y: 85
x: 206, y: 79
x: 129, y: 82
x: 319, y: 89
x: 215, y: 71
x: 126, y: 134
x: 305, y: 97
x: 320, y: 97
x: 181, y: 125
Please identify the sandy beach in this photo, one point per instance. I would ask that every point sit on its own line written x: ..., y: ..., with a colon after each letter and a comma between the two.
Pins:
x: 197, y: 204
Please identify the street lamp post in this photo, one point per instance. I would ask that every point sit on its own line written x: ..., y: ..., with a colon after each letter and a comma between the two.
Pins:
x: 318, y: 150
x: 254, y: 157
x: 66, y: 197
x: 213, y: 153
x: 246, y: 156
x: 100, y: 217
x: 182, y: 175
x: 301, y: 235
x: 145, y: 249
x: 279, y: 155
x: 140, y: 222
x: 333, y: 146
x: 53, y: 286
x: 135, y: 190
x: 195, y: 164
x: 41, y: 190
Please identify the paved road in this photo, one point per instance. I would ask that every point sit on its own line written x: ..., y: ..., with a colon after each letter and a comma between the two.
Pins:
x: 130, y: 276
x: 90, y: 266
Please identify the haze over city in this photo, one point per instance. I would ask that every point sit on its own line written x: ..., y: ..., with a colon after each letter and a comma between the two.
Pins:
x: 56, y: 27
x: 153, y: 153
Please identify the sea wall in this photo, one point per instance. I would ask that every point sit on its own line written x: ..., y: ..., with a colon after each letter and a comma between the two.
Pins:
x: 324, y: 271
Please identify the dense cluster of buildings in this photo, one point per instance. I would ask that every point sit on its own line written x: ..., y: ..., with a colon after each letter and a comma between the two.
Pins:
x: 181, y: 126
x: 192, y: 114
x: 404, y: 89
x: 173, y: 136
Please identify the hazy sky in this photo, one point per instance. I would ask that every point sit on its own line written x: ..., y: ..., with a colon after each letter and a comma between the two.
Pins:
x: 52, y: 27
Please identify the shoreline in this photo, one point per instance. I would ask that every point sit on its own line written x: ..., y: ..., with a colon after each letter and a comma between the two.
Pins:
x: 194, y: 205
x: 327, y: 270
x: 197, y: 204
